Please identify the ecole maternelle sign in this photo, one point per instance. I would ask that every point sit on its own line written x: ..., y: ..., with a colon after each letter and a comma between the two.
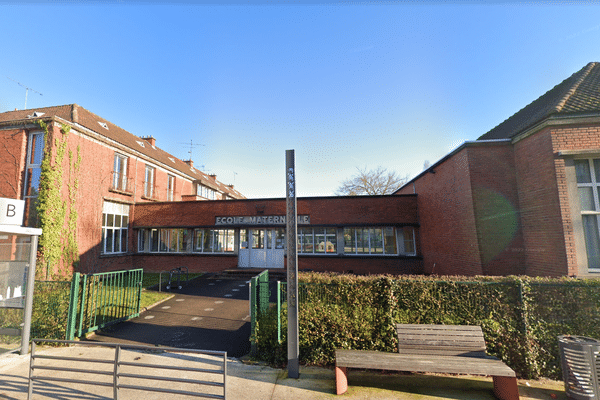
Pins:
x: 259, y: 220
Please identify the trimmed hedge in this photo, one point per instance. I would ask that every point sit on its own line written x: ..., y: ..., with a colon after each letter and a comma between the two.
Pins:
x: 49, y: 313
x: 521, y: 317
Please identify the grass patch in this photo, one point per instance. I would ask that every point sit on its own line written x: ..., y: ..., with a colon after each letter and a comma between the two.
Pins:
x: 150, y: 297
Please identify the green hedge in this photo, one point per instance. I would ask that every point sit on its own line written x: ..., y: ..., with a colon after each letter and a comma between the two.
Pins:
x: 521, y: 317
x: 49, y: 313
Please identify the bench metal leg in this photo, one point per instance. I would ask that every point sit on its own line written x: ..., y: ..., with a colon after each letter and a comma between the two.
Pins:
x: 506, y: 388
x: 341, y: 380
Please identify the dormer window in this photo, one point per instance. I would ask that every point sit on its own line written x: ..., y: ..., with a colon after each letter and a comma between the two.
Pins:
x: 103, y: 124
x: 172, y: 159
x: 36, y: 114
x: 140, y: 143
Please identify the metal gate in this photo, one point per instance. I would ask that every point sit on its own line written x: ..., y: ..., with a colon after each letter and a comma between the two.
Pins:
x: 99, y: 300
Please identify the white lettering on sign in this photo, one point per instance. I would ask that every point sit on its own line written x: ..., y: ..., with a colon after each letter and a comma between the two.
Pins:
x: 291, y: 182
x: 260, y: 220
x: 11, y: 211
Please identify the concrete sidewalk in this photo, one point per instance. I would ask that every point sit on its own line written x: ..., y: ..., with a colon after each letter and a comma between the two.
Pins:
x: 248, y: 381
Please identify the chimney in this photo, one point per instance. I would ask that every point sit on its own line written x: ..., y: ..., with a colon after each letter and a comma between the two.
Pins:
x: 151, y: 140
x: 189, y: 162
x: 75, y: 114
x: 213, y: 176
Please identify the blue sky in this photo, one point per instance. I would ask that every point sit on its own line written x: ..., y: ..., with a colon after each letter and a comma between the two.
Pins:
x: 347, y: 85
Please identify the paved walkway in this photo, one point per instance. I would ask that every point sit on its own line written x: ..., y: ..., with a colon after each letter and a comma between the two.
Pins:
x: 259, y: 382
x: 207, y: 314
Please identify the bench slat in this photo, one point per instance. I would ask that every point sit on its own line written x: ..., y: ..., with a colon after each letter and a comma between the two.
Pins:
x: 440, y: 339
x: 422, y: 327
x: 417, y: 363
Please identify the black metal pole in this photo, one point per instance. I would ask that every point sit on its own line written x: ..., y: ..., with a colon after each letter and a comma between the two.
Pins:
x: 292, y: 266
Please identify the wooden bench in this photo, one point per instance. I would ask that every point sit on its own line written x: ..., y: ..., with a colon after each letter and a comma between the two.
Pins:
x: 451, y: 349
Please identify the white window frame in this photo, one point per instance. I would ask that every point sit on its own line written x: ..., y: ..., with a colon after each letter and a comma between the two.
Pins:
x: 149, y: 175
x: 219, y: 241
x: 120, y: 172
x: 170, y: 187
x: 330, y: 238
x: 594, y: 185
x: 32, y: 167
x: 115, y: 228
x: 403, y: 242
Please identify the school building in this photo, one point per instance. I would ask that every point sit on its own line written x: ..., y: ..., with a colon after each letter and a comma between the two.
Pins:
x: 524, y: 198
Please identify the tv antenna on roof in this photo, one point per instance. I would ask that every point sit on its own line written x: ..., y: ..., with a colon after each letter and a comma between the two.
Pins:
x: 27, y: 89
x: 192, y: 146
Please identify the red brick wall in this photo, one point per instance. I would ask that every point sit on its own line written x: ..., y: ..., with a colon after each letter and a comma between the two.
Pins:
x: 496, y: 205
x: 13, y: 150
x: 541, y: 217
x: 359, y: 210
x: 205, y: 263
x: 333, y: 211
x: 563, y: 139
x: 448, y: 238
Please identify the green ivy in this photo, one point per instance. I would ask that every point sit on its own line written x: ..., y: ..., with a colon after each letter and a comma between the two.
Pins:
x: 58, y: 214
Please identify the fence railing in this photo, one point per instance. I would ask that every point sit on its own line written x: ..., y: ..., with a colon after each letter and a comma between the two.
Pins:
x: 99, y: 300
x: 198, y: 373
x: 259, y: 298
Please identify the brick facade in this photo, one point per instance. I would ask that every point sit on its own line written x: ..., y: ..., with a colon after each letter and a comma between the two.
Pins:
x: 337, y: 212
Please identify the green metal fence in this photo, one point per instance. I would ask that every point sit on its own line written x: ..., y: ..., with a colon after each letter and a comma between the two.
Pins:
x: 99, y: 300
x: 259, y: 298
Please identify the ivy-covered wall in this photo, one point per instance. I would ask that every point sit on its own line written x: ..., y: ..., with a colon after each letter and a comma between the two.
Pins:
x: 57, y: 205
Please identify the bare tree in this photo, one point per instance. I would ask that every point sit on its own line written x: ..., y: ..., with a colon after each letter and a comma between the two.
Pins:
x: 371, y: 182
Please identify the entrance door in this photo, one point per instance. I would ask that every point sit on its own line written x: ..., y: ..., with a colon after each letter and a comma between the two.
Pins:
x: 262, y: 248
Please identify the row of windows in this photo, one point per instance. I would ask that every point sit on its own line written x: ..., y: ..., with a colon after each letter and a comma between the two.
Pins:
x: 206, y: 192
x: 120, y: 181
x: 357, y: 241
x: 186, y: 240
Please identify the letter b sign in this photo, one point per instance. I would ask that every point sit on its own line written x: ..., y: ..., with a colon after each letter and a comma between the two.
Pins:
x: 11, y: 211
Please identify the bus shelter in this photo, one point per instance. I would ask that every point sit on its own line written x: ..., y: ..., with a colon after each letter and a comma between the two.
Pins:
x: 18, y: 248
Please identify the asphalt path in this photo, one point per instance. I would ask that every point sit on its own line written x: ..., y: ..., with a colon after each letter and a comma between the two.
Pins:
x: 207, y: 314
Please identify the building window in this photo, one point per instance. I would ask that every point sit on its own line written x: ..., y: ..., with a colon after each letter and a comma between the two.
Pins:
x: 588, y: 185
x: 149, y: 182
x: 379, y: 241
x: 170, y: 188
x: 317, y: 241
x: 33, y: 172
x: 186, y: 240
x: 205, y: 191
x: 215, y: 240
x: 148, y: 240
x: 120, y: 173
x: 115, y: 221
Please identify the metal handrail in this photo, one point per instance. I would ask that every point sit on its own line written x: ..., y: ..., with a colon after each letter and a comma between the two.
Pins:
x: 116, y: 373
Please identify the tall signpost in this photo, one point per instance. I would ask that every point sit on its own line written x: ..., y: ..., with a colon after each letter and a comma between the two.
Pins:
x: 292, y: 266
